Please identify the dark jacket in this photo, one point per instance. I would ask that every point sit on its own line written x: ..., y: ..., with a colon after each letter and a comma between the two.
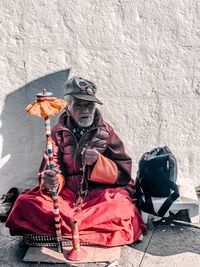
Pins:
x: 67, y: 151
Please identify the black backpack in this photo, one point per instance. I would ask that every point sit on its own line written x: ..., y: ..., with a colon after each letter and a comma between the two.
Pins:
x: 156, y: 177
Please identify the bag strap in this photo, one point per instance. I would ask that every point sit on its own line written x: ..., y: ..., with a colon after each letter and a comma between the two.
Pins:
x: 147, y: 205
x: 171, y: 198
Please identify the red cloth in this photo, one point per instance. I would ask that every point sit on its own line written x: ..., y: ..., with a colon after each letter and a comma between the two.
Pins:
x: 107, y: 217
x: 105, y: 171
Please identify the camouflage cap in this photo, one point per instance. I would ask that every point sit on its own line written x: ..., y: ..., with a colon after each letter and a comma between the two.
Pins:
x: 81, y: 89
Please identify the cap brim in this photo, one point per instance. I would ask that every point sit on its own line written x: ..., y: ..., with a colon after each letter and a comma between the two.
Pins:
x: 87, y: 98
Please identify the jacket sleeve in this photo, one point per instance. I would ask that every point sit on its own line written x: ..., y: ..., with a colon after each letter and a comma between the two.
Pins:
x: 114, y: 166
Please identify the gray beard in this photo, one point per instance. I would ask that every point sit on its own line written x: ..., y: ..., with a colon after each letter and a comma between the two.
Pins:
x: 85, y: 124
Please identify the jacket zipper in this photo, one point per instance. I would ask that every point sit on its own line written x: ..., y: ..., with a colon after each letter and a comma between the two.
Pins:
x: 77, y: 143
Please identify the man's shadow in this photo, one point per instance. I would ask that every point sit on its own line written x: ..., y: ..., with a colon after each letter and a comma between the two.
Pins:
x: 23, y: 136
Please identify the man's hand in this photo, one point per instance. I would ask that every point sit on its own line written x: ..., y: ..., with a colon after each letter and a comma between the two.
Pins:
x: 51, y: 179
x: 90, y: 156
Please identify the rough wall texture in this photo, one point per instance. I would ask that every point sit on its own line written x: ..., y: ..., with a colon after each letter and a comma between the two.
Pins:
x: 143, y: 55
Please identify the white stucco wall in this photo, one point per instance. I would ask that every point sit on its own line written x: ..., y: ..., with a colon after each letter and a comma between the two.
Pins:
x: 143, y: 55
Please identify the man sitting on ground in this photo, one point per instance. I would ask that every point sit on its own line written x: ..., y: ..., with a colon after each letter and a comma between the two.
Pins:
x: 92, y: 177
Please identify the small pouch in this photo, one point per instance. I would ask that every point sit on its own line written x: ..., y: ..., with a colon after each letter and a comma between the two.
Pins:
x: 105, y: 171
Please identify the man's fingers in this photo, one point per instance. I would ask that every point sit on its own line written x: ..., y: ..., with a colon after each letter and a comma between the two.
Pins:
x: 49, y: 173
x: 90, y: 151
x: 54, y: 183
x: 83, y: 151
x: 51, y: 185
x: 49, y: 179
x: 90, y: 156
x: 51, y: 182
x: 52, y: 172
x: 57, y: 170
x: 89, y: 162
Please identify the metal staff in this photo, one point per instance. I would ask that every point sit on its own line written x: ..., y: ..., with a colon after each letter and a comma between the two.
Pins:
x: 45, y: 106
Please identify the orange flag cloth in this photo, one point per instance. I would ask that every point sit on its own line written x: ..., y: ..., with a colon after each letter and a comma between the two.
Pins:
x: 45, y: 107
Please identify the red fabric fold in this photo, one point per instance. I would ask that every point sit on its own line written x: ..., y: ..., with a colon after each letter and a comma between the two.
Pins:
x: 107, y: 217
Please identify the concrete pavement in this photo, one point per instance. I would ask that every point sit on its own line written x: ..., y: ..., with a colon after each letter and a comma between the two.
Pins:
x: 166, y: 244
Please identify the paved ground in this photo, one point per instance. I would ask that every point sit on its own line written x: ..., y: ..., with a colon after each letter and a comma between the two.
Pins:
x: 166, y: 244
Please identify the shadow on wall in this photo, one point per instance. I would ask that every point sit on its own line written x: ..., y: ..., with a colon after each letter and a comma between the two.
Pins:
x: 23, y: 137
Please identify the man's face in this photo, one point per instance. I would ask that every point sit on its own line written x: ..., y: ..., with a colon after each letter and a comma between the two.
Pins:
x: 82, y: 111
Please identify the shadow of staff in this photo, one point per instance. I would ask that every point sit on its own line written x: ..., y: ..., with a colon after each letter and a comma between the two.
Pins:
x: 22, y: 135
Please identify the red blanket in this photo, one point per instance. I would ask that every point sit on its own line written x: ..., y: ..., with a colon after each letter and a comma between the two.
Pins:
x: 107, y: 217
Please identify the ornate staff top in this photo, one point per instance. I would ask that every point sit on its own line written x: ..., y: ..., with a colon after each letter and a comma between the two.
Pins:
x: 44, y: 94
x: 46, y: 105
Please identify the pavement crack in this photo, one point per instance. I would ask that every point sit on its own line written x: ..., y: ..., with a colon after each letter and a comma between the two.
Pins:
x: 146, y: 247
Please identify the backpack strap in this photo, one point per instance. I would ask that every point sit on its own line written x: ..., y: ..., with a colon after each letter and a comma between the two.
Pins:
x: 145, y: 201
x: 145, y: 204
x: 168, y: 202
